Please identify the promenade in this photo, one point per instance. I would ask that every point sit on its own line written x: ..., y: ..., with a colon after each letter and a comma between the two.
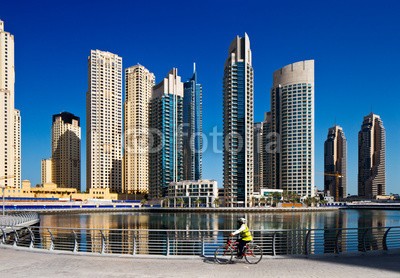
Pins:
x: 36, y: 263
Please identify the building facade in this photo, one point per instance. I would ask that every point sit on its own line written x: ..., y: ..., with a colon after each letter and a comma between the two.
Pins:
x: 238, y: 119
x: 258, y: 157
x: 139, y: 83
x: 371, y: 158
x: 165, y: 145
x: 193, y: 193
x: 66, y: 150
x: 10, y: 120
x: 46, y: 171
x: 104, y: 121
x: 192, y: 129
x: 335, y: 164
x: 292, y: 111
x: 269, y: 148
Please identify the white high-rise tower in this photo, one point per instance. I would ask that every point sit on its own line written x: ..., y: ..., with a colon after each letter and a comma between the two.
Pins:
x: 292, y: 105
x: 104, y: 121
x: 10, y: 120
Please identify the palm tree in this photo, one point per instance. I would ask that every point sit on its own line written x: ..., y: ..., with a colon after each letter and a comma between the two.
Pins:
x: 197, y: 202
x: 216, y: 202
x: 180, y: 202
x: 143, y: 202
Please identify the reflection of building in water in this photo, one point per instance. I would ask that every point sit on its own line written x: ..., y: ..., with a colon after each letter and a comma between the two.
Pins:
x: 334, y: 222
x: 288, y: 229
x: 371, y: 239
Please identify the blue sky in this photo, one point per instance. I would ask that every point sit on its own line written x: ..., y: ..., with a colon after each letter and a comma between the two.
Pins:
x: 355, y: 46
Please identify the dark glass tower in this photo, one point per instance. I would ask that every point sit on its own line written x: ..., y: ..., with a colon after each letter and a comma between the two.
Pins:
x: 165, y: 138
x: 192, y: 129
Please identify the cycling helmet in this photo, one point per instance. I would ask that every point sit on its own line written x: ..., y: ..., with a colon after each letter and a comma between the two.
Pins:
x: 242, y: 220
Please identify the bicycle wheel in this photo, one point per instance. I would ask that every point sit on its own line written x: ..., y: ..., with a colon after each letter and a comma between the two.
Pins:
x: 223, y: 255
x: 253, y: 254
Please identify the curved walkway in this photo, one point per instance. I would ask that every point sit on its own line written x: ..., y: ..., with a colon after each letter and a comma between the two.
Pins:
x: 26, y: 263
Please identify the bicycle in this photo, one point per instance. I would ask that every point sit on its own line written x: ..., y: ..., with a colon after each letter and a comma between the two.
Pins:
x: 224, y: 254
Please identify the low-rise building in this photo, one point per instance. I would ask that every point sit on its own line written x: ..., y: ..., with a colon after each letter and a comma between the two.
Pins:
x: 50, y: 190
x: 193, y: 193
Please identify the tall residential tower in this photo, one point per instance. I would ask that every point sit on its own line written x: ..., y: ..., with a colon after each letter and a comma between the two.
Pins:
x: 10, y: 120
x: 66, y: 150
x: 371, y: 158
x: 139, y: 83
x: 335, y: 155
x: 192, y: 129
x: 292, y: 110
x: 238, y: 92
x: 165, y: 147
x: 104, y: 121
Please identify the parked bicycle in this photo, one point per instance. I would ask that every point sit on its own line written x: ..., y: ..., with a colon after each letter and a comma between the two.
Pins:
x: 224, y: 254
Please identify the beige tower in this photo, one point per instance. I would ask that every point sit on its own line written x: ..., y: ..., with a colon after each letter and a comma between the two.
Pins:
x: 371, y: 157
x: 66, y: 150
x: 139, y: 83
x: 46, y: 171
x: 10, y: 125
x: 104, y: 121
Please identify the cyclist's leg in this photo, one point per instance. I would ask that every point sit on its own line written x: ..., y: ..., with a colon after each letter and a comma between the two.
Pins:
x: 241, y: 246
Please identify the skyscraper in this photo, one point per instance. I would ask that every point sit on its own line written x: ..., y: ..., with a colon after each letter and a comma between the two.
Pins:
x: 10, y: 120
x: 335, y: 156
x: 269, y: 148
x: 192, y: 129
x: 139, y: 83
x: 46, y: 171
x: 292, y: 104
x: 238, y: 91
x: 258, y: 157
x: 165, y: 147
x: 371, y: 158
x: 104, y: 121
x: 66, y: 150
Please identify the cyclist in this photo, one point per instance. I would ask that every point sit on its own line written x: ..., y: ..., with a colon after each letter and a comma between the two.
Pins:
x: 245, y: 236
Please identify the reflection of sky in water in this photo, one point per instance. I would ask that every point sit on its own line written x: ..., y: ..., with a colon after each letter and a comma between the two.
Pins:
x: 224, y: 221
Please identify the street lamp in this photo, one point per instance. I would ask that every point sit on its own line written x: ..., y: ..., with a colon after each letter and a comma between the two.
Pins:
x: 4, y: 187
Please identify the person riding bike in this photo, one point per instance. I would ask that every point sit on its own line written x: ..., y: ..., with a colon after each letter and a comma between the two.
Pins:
x: 245, y: 236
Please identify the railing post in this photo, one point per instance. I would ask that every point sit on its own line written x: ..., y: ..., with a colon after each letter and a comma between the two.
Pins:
x: 75, y: 242
x: 52, y: 240
x: 134, y: 245
x: 16, y: 237
x: 363, y: 240
x: 384, y: 240
x: 32, y: 243
x: 306, y: 251
x: 203, y: 247
x: 274, y: 244
x: 103, y: 242
x: 168, y: 244
x: 338, y: 235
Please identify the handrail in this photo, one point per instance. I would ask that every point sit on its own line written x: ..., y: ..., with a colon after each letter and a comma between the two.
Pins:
x: 201, y: 242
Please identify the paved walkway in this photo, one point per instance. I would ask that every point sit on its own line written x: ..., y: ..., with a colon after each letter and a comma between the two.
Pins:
x: 25, y: 263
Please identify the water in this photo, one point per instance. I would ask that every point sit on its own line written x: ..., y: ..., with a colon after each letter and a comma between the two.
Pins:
x: 225, y: 221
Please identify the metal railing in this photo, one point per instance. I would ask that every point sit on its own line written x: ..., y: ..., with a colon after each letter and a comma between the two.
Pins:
x: 18, y: 219
x: 136, y: 242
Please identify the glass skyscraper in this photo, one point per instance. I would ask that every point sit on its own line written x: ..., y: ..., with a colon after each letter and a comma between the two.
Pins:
x: 165, y: 138
x: 192, y: 129
x: 238, y: 91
